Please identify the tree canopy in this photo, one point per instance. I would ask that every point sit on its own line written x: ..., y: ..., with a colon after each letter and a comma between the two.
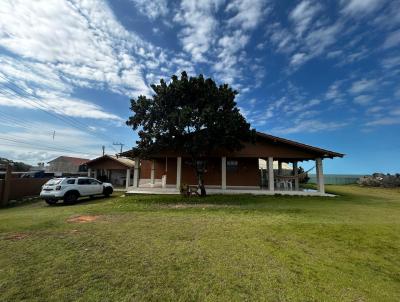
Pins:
x: 192, y: 115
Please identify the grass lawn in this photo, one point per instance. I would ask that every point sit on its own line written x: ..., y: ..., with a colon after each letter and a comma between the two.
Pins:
x: 220, y: 248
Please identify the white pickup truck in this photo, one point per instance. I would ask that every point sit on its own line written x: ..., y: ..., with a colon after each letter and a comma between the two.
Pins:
x: 70, y: 189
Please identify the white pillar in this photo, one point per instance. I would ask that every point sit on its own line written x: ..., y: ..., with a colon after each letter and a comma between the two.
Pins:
x: 223, y: 173
x: 95, y: 173
x: 296, y: 178
x: 320, y: 175
x: 89, y: 172
x: 136, y: 173
x: 153, y: 168
x: 128, y: 177
x: 271, y: 184
x: 178, y: 172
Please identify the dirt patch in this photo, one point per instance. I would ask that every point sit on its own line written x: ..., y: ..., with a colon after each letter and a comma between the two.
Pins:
x: 83, y: 218
x: 16, y: 236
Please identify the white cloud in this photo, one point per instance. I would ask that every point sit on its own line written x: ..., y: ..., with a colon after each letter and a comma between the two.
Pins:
x: 83, y: 41
x: 303, y: 14
x: 298, y: 59
x: 363, y: 99
x: 152, y: 9
x: 60, y: 105
x: 385, y: 121
x: 363, y: 86
x: 319, y: 39
x: 391, y: 62
x: 309, y: 126
x: 392, y: 40
x: 247, y: 13
x: 309, y: 35
x: 360, y: 8
x: 199, y: 26
x: 334, y: 92
x: 31, y: 85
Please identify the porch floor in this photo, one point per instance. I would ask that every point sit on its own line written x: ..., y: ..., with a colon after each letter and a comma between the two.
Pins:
x: 171, y: 190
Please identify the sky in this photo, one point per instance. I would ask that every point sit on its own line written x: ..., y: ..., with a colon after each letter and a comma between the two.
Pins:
x: 325, y: 73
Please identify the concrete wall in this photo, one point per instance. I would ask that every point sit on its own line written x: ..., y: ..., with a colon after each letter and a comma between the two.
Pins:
x: 336, y: 179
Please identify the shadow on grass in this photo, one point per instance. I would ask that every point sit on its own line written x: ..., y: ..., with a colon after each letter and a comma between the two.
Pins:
x: 85, y: 200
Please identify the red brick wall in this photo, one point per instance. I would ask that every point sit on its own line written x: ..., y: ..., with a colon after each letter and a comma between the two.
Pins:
x: 145, y: 169
x: 247, y: 173
x: 171, y: 171
x: 212, y: 176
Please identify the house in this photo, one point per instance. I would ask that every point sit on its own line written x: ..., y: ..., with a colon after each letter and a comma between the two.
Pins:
x: 67, y: 165
x: 114, y: 169
x: 232, y: 172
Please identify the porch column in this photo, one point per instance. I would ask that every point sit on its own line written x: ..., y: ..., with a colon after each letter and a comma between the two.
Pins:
x: 153, y: 168
x: 296, y: 174
x: 136, y: 173
x: 320, y: 175
x: 89, y: 172
x: 178, y: 172
x: 95, y: 174
x: 128, y: 178
x: 271, y: 183
x: 223, y: 173
x: 279, y: 167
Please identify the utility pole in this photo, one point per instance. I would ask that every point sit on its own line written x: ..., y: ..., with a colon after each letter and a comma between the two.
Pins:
x: 119, y: 144
x: 104, y: 148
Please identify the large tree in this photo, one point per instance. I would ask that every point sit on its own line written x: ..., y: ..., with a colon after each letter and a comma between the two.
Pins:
x: 190, y: 115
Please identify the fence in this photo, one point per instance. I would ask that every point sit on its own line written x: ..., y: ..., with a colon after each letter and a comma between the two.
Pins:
x: 336, y: 179
x: 18, y: 188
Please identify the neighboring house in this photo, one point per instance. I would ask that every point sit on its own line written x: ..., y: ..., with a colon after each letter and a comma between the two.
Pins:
x: 230, y: 171
x: 111, y: 169
x: 67, y: 165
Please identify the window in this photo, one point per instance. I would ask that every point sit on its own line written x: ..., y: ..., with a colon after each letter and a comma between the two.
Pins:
x: 83, y: 181
x: 232, y: 165
x: 70, y: 181
x: 53, y: 182
x: 94, y: 182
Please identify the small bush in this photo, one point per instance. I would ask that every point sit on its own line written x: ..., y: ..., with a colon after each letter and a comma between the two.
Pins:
x: 380, y: 180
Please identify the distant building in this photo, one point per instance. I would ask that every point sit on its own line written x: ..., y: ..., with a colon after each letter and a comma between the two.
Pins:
x: 67, y: 165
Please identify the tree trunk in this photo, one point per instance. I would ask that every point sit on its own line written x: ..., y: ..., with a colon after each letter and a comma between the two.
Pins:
x: 201, y: 184
x: 199, y: 174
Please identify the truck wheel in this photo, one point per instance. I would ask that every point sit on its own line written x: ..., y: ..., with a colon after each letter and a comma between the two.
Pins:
x: 51, y: 202
x: 107, y: 192
x: 70, y: 197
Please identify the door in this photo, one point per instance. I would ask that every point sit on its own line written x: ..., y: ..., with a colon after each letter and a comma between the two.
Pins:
x: 84, y: 186
x: 96, y: 187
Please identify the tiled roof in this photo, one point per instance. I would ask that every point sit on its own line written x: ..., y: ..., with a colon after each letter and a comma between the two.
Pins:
x: 74, y: 160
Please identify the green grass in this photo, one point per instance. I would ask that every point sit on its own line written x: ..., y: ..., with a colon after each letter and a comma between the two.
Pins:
x: 220, y: 248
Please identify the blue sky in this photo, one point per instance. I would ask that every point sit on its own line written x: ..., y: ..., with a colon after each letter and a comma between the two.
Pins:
x: 325, y: 73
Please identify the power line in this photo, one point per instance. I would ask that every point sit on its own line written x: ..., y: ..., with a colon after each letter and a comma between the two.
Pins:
x: 9, y: 121
x: 41, y: 146
x: 10, y: 144
x: 28, y: 98
x: 27, y: 142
